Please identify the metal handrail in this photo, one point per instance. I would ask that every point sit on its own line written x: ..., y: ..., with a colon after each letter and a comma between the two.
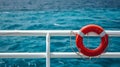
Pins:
x: 51, y: 32
x: 49, y: 54
x: 55, y: 55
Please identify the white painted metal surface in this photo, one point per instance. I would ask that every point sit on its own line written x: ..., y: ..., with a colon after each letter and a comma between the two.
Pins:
x: 49, y: 54
x: 48, y: 50
x: 55, y: 55
x: 51, y: 32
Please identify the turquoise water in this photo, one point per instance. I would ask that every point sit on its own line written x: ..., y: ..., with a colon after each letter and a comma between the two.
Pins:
x: 108, y: 18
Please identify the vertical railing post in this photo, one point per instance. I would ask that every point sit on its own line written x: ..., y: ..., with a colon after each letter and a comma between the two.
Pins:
x: 48, y: 50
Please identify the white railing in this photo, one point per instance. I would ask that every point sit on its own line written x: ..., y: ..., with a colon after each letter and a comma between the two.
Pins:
x: 49, y: 54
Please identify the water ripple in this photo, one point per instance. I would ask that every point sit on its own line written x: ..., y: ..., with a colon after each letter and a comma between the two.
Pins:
x: 109, y: 19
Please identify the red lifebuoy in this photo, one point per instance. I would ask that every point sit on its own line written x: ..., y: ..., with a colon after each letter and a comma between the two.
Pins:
x: 92, y: 52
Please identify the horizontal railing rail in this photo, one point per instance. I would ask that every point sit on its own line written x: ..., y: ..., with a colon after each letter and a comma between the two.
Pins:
x: 49, y: 54
x: 51, y: 32
x: 56, y: 55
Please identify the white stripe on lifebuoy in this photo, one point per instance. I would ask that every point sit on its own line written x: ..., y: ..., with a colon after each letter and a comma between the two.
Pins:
x: 102, y: 34
x: 81, y: 33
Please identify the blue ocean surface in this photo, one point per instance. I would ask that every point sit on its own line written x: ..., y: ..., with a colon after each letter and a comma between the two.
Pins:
x: 108, y: 18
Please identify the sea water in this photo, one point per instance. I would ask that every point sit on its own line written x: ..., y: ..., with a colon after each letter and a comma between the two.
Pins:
x: 108, y: 18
